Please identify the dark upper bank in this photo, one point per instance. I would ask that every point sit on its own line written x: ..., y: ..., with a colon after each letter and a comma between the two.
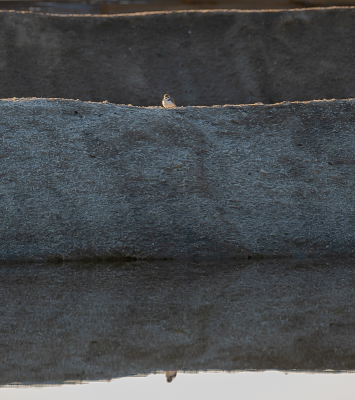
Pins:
x: 200, y: 58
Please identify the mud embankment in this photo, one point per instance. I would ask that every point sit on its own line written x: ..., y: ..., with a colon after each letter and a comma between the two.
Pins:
x: 83, y: 180
x: 200, y: 58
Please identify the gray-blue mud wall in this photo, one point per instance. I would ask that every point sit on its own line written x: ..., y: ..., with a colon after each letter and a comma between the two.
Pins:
x: 82, y: 180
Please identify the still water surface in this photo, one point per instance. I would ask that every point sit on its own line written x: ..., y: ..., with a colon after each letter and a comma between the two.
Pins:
x: 269, y: 385
x: 112, y: 326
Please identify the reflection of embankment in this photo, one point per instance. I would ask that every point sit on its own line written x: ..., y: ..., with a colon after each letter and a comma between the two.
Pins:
x: 73, y: 322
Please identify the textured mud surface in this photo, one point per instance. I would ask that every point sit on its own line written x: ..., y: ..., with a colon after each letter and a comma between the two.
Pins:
x: 87, y: 179
x: 200, y: 58
x: 99, y: 322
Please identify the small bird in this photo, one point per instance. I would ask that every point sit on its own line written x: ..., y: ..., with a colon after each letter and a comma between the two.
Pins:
x: 170, y: 375
x: 168, y: 102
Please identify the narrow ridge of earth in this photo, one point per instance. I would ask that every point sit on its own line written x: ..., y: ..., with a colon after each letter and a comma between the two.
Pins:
x: 98, y: 180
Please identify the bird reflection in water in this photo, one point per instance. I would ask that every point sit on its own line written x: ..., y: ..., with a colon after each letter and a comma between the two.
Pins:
x: 170, y: 375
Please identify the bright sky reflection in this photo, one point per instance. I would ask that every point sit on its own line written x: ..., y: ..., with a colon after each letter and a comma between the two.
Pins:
x: 270, y: 385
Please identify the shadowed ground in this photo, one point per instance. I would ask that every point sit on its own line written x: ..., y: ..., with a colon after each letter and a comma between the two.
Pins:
x: 200, y: 58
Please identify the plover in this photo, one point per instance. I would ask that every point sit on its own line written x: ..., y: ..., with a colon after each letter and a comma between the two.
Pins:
x: 168, y: 102
x: 170, y: 375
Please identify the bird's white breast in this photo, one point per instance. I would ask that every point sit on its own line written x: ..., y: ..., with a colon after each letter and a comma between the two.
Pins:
x: 168, y: 103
